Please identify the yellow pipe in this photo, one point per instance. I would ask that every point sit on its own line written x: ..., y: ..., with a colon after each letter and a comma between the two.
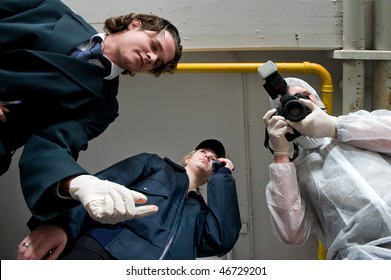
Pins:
x: 297, y: 67
x: 303, y: 68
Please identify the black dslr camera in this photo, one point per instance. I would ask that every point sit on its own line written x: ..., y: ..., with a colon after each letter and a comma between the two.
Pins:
x: 290, y: 108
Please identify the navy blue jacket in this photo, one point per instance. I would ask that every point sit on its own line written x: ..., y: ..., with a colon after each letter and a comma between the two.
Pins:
x: 65, y: 102
x: 185, y: 227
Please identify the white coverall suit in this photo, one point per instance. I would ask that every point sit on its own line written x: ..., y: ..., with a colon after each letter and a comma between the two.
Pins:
x: 339, y: 189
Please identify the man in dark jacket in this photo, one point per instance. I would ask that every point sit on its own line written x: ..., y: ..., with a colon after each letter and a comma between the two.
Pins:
x: 185, y: 227
x: 65, y: 102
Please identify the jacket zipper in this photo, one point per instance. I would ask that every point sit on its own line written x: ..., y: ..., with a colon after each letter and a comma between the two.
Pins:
x: 168, y: 246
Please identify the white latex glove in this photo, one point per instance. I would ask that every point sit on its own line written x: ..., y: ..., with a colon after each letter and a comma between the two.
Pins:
x: 108, y: 202
x: 317, y: 124
x: 277, y: 127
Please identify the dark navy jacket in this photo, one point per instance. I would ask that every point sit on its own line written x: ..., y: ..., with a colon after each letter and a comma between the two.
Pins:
x: 185, y: 227
x: 65, y: 102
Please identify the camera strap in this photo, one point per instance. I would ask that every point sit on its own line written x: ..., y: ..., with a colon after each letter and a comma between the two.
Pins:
x: 295, y: 147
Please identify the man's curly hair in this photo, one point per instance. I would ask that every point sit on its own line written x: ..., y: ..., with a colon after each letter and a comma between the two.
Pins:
x: 152, y: 23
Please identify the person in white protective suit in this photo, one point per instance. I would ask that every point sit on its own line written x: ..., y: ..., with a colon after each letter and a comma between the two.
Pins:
x: 339, y: 186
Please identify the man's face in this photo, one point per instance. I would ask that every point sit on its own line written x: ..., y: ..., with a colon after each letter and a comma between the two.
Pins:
x: 143, y: 50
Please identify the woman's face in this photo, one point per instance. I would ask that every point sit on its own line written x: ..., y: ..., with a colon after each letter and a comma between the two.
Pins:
x: 143, y: 50
x: 202, y: 160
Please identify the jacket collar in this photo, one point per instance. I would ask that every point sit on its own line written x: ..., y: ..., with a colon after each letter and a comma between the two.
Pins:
x: 175, y: 165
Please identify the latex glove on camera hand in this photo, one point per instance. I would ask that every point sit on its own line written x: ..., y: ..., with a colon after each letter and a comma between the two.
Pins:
x: 108, y: 202
x: 317, y: 124
x: 277, y: 127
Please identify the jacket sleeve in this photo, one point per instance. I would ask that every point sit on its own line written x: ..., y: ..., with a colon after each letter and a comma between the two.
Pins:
x: 29, y: 24
x: 285, y: 204
x: 49, y: 156
x: 223, y: 221
x: 50, y: 153
x: 367, y: 130
x: 9, y: 8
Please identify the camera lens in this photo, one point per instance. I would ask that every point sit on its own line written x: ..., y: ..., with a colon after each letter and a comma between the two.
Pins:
x: 295, y: 111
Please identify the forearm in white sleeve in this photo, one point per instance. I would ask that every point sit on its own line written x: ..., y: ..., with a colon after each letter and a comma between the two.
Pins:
x: 367, y: 130
x: 285, y: 204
